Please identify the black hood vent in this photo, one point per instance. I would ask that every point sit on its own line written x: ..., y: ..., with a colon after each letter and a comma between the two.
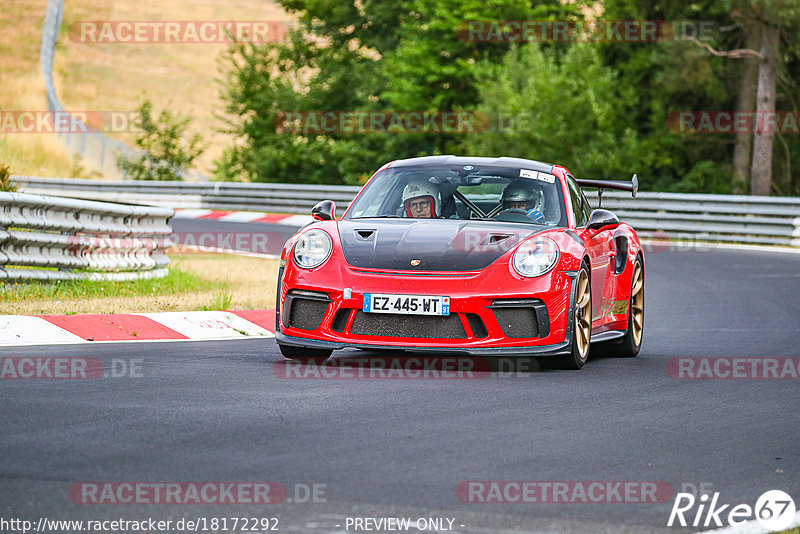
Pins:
x: 365, y: 235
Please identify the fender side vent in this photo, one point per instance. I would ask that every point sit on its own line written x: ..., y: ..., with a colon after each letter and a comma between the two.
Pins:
x: 621, y: 258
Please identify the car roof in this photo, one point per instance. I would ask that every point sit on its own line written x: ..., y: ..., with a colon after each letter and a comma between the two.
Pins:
x: 470, y: 160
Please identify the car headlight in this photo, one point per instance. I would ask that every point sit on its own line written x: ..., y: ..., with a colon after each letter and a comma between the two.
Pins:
x: 535, y: 257
x: 312, y: 248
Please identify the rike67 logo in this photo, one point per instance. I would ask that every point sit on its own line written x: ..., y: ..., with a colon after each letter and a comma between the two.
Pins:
x: 774, y: 510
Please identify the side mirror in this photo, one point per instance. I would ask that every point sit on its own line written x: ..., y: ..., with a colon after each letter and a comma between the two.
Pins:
x: 602, y: 220
x: 324, y: 211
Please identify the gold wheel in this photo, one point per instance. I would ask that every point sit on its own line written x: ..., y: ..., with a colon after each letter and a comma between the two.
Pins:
x: 583, y: 315
x: 637, y: 304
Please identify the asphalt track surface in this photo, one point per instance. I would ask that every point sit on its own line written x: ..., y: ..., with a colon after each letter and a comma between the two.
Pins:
x: 218, y: 411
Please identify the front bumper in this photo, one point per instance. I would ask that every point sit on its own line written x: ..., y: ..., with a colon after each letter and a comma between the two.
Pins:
x: 558, y: 349
x: 474, y: 299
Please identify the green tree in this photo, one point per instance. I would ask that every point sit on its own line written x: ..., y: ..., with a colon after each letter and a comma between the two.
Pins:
x: 6, y: 185
x: 684, y: 75
x: 562, y: 111
x: 365, y: 56
x: 167, y: 150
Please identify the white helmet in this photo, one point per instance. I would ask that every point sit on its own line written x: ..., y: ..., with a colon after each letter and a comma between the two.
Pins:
x: 422, y: 188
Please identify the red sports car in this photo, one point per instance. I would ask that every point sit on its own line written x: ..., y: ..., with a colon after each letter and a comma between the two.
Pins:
x: 479, y: 256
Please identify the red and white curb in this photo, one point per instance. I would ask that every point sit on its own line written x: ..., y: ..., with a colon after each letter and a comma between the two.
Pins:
x: 167, y: 326
x: 243, y: 216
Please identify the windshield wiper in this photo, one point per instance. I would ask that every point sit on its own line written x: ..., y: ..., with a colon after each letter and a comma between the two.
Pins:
x: 377, y: 217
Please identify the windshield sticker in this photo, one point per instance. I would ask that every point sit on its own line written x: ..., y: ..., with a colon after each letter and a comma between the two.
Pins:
x: 541, y: 176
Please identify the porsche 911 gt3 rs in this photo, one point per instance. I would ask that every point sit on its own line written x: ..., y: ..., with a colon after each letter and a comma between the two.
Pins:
x: 480, y: 256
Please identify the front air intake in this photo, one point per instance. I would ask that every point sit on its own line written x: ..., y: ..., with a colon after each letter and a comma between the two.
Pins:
x: 522, y: 318
x: 304, y: 309
x: 395, y: 325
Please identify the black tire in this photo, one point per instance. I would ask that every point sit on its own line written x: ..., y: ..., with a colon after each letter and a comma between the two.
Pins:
x: 304, y: 354
x: 581, y: 334
x: 629, y: 346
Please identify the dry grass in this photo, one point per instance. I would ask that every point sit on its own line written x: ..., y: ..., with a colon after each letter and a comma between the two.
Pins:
x: 250, y: 281
x: 238, y: 282
x: 106, y: 77
x: 179, y: 77
x: 34, y: 154
x: 23, y: 89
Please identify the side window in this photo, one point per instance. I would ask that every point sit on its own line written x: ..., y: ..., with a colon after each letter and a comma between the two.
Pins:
x: 587, y: 209
x: 577, y: 203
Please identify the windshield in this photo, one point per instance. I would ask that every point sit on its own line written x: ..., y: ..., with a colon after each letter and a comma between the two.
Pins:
x: 463, y: 192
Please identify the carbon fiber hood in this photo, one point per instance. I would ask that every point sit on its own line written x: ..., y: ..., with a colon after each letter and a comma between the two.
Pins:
x: 437, y: 245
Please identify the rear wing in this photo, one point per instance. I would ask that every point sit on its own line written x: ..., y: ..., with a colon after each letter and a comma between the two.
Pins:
x: 632, y: 186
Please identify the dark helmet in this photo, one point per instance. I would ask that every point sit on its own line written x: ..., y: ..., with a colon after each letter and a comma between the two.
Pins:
x: 523, y: 191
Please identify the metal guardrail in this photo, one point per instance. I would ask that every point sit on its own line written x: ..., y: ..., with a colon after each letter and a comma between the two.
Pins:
x: 715, y: 218
x: 282, y: 198
x: 755, y: 220
x: 69, y: 239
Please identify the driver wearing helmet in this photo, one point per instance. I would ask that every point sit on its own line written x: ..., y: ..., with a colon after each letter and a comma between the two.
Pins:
x: 421, y: 200
x: 522, y: 195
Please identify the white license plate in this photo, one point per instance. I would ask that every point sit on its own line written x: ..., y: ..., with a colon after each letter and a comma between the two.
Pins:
x: 406, y: 304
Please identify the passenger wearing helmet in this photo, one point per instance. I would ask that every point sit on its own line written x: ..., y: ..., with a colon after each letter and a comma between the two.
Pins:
x: 522, y: 195
x: 421, y: 200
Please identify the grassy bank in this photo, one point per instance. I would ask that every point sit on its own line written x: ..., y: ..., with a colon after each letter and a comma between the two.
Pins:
x: 195, y: 282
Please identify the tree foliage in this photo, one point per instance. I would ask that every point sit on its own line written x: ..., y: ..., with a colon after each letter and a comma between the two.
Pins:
x: 563, y: 110
x: 601, y: 109
x: 366, y: 56
x: 6, y: 185
x: 167, y: 150
x: 679, y: 75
